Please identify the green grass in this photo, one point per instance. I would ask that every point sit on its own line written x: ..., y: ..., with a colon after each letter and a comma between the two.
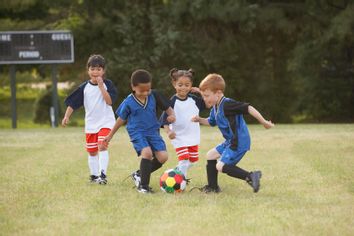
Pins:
x: 307, y: 187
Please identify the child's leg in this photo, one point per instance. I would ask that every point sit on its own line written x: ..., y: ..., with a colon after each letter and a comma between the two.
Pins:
x: 145, y: 167
x: 103, y: 152
x: 228, y: 161
x: 92, y: 148
x: 193, y: 155
x: 183, y: 159
x: 159, y: 159
x: 212, y: 173
x: 93, y: 164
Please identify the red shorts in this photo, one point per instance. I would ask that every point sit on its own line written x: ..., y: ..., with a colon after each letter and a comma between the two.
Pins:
x: 187, y: 153
x: 93, y: 140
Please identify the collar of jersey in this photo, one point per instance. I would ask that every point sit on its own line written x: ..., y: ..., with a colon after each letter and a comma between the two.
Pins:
x: 92, y: 83
x: 181, y: 98
x: 218, y: 105
x: 139, y: 102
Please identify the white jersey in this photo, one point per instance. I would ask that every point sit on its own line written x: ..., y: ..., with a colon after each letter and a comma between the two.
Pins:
x: 187, y: 132
x: 98, y: 114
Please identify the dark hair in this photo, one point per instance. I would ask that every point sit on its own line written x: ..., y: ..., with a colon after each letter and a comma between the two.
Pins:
x: 176, y: 73
x: 140, y: 77
x: 96, y: 60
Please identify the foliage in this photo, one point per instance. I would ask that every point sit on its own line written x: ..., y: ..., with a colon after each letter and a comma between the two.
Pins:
x: 288, y: 58
x: 42, y: 108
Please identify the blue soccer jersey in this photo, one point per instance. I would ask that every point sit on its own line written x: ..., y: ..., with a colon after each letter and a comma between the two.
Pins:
x: 142, y: 118
x: 228, y: 116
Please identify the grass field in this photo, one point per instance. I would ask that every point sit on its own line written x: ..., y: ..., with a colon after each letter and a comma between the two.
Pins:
x: 307, y: 187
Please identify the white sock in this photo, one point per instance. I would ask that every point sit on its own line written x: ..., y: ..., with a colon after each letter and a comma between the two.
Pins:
x: 93, y: 165
x: 183, y: 166
x: 104, y: 159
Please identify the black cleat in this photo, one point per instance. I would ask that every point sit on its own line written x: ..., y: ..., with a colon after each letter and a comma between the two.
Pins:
x: 135, y: 176
x: 145, y: 190
x: 94, y: 179
x: 102, y: 179
x: 254, y: 180
x: 208, y: 189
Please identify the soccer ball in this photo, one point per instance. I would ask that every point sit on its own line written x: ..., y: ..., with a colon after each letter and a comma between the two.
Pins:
x: 172, y: 181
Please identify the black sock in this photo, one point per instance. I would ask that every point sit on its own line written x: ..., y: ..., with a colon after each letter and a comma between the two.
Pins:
x: 145, y: 171
x: 212, y: 174
x: 155, y: 164
x: 235, y: 171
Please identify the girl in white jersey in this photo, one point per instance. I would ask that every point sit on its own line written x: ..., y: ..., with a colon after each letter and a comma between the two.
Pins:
x: 97, y: 96
x: 184, y: 133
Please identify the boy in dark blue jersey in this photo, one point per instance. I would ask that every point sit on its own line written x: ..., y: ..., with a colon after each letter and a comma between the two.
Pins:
x: 139, y: 111
x: 227, y: 114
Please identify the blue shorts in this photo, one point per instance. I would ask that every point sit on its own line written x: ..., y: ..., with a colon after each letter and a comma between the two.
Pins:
x: 154, y: 141
x: 229, y: 156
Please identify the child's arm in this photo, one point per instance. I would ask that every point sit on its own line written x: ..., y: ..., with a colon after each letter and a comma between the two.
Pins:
x: 170, y: 133
x: 104, y: 92
x: 66, y: 119
x: 203, y: 121
x: 253, y: 112
x: 115, y: 128
x: 171, y: 117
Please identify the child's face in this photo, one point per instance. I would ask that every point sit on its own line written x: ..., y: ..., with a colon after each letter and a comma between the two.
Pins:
x: 211, y: 98
x: 142, y: 90
x: 183, y: 86
x: 95, y: 72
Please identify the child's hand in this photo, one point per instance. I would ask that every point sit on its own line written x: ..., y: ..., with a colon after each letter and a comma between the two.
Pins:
x: 65, y: 121
x: 268, y: 124
x: 171, y: 134
x: 195, y: 119
x: 99, y: 81
x: 171, y: 118
x: 195, y: 90
x: 107, y: 139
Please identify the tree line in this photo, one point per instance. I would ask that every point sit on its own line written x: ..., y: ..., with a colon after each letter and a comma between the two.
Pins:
x: 292, y: 59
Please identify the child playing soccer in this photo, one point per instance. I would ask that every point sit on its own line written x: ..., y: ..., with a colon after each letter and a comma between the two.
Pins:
x: 227, y: 114
x: 139, y: 111
x: 184, y: 133
x: 97, y: 96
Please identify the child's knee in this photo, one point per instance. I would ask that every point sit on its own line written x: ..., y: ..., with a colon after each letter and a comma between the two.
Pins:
x: 219, y: 166
x: 102, y: 147
x: 161, y: 156
x: 213, y: 154
x: 92, y: 153
x: 146, y: 153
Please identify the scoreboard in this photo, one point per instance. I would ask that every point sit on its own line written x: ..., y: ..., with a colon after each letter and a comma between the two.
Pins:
x: 36, y: 47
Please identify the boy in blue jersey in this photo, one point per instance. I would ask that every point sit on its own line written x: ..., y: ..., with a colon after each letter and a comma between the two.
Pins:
x: 139, y: 111
x: 227, y: 114
x: 97, y: 96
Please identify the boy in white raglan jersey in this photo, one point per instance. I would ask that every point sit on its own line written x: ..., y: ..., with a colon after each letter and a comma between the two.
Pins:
x: 97, y: 96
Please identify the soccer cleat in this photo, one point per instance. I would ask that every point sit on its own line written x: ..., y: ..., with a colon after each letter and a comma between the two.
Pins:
x: 144, y: 190
x: 254, y: 180
x: 102, y: 179
x: 136, y: 178
x: 208, y: 189
x: 188, y: 181
x: 94, y: 179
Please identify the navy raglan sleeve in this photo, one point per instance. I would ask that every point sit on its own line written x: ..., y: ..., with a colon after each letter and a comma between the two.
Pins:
x: 161, y: 101
x: 199, y: 102
x: 111, y: 89
x: 233, y: 107
x: 163, y: 117
x: 76, y: 98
